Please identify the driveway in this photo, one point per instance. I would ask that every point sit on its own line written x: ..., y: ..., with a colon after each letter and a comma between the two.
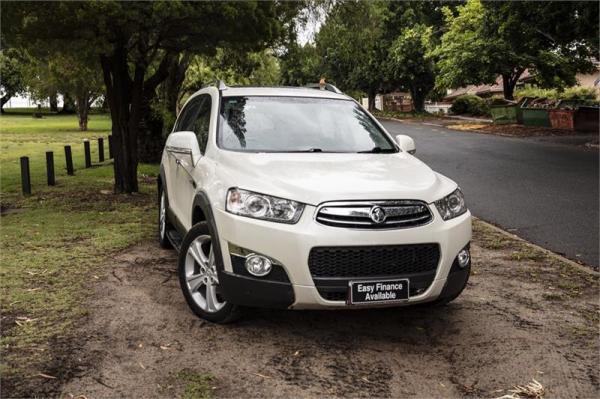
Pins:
x: 516, y: 321
x: 544, y: 192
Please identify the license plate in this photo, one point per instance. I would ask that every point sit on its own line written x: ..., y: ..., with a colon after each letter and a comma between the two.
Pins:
x: 383, y: 291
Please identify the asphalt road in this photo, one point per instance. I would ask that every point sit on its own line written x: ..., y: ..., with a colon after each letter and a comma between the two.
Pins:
x: 542, y: 191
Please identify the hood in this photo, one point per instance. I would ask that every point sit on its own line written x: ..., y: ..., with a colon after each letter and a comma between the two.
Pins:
x: 313, y: 178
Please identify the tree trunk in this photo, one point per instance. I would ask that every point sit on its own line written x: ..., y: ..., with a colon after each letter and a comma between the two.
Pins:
x: 509, y: 81
x: 124, y: 98
x: 3, y: 100
x: 53, y: 103
x: 68, y: 104
x: 371, y: 99
x: 83, y: 110
x: 418, y: 98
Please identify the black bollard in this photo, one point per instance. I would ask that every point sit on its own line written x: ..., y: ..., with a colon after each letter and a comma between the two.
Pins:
x: 88, y: 155
x: 50, y: 168
x: 25, y: 177
x: 69, y: 160
x: 100, y: 149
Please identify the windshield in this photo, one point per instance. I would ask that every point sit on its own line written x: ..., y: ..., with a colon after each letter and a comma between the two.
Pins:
x: 297, y: 124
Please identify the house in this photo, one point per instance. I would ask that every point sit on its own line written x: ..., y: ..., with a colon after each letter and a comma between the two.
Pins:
x: 583, y: 80
x: 397, y: 101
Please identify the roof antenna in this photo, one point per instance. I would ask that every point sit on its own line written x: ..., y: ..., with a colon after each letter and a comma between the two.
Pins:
x: 221, y: 85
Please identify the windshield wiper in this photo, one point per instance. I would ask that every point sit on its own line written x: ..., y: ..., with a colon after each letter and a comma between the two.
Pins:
x: 377, y: 150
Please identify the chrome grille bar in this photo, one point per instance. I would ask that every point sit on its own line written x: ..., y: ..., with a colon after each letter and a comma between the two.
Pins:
x: 394, y: 214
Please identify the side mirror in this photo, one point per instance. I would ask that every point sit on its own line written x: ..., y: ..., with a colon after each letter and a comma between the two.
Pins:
x: 406, y: 143
x: 184, y: 144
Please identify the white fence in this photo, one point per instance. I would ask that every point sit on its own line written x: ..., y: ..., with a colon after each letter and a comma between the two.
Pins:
x: 435, y: 108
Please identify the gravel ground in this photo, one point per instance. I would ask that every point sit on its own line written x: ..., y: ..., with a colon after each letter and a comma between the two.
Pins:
x: 523, y: 316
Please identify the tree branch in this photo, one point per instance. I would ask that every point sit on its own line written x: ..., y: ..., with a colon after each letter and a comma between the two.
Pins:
x: 159, y: 75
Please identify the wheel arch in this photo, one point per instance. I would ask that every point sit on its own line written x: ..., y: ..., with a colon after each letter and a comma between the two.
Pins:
x: 202, y: 212
x: 161, y: 182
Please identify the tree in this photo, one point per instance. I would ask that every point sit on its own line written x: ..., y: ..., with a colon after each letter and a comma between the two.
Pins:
x: 11, y: 75
x: 300, y: 65
x: 80, y: 77
x: 553, y: 40
x: 136, y: 43
x: 411, y: 63
x: 350, y: 46
x: 189, y: 73
x: 47, y: 74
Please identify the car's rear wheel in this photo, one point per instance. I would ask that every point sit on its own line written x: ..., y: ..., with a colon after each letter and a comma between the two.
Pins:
x: 198, y: 277
x: 163, y: 220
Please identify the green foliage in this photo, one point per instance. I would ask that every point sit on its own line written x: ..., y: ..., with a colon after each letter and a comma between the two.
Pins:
x: 586, y: 94
x: 254, y: 68
x: 11, y: 74
x: 552, y: 40
x: 300, y: 65
x: 469, y: 104
x: 536, y: 92
x: 575, y: 93
x: 410, y: 62
x: 349, y: 45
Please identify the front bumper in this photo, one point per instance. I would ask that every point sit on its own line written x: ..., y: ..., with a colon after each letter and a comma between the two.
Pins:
x: 290, y: 246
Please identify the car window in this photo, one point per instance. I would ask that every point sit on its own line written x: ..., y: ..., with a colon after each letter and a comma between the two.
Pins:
x: 195, y: 117
x: 202, y: 123
x: 291, y: 124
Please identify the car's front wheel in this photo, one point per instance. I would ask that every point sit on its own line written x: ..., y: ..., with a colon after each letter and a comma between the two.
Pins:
x: 198, y: 276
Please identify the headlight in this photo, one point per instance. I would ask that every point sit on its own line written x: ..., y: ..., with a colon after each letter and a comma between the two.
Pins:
x: 452, y: 205
x: 261, y: 206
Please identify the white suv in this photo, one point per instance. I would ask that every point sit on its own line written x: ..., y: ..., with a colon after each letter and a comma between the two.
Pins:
x: 299, y: 198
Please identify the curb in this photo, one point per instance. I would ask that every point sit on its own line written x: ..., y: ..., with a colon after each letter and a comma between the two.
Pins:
x: 586, y: 269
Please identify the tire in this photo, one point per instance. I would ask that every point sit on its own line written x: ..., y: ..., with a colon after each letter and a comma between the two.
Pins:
x: 197, y: 269
x: 163, y: 220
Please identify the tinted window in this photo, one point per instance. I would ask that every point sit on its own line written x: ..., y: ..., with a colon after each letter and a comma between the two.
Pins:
x: 196, y: 118
x: 289, y: 124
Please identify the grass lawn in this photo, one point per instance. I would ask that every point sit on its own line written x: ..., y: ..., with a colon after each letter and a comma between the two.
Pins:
x: 53, y: 242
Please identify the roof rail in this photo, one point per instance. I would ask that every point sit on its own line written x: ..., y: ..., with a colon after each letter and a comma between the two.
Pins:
x: 326, y: 86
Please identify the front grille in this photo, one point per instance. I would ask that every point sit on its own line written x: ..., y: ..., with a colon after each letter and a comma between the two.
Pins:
x: 338, y: 295
x: 332, y: 268
x: 373, y: 261
x: 375, y: 214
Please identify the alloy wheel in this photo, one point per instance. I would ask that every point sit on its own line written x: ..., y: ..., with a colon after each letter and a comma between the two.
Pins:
x: 201, y: 275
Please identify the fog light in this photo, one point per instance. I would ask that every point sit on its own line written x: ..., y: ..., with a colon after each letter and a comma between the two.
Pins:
x: 463, y: 258
x: 258, y: 265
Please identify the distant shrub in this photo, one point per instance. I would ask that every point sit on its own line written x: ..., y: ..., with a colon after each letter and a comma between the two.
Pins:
x: 469, y: 104
x: 536, y: 92
x: 576, y: 93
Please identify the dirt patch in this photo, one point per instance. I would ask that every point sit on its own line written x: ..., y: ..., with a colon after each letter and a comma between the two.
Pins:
x: 521, y: 318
